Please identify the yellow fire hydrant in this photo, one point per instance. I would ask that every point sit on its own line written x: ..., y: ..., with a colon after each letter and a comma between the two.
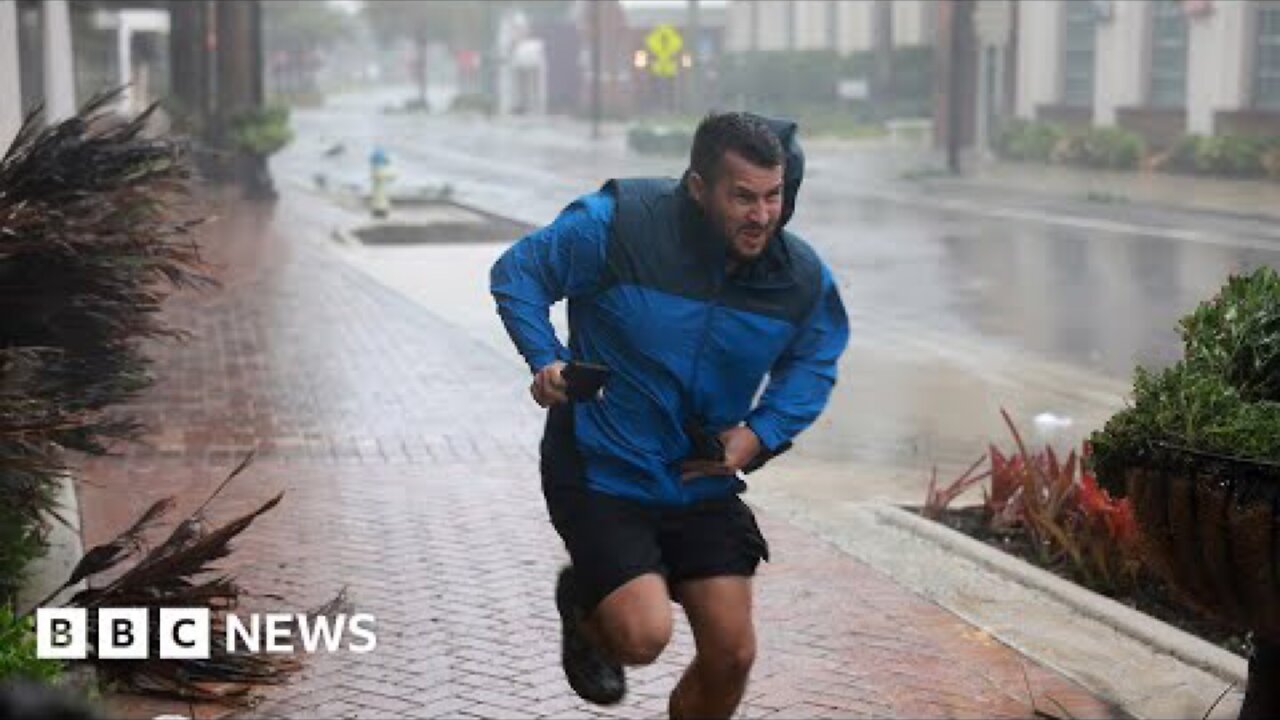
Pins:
x: 380, y: 177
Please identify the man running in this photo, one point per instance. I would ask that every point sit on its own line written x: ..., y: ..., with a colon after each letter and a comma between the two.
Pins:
x: 692, y: 294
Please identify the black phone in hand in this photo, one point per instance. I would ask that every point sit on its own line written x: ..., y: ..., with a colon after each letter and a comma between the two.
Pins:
x: 703, y: 444
x: 584, y: 381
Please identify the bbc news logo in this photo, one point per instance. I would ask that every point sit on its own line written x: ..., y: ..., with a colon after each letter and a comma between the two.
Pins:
x: 185, y: 633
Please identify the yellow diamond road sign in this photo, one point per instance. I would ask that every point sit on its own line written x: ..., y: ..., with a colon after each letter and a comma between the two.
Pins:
x: 665, y: 43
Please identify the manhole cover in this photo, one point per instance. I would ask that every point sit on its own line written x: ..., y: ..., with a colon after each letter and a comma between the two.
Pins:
x: 441, y: 224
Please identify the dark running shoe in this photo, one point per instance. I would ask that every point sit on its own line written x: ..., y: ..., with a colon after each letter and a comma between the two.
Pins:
x: 593, y: 676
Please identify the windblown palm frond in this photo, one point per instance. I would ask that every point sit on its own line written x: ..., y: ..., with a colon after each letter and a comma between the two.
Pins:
x: 179, y: 572
x: 96, y: 222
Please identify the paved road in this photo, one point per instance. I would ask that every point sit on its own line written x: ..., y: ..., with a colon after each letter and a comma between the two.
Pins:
x: 961, y: 301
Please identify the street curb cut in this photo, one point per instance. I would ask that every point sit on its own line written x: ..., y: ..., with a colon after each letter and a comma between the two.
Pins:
x: 1143, y: 628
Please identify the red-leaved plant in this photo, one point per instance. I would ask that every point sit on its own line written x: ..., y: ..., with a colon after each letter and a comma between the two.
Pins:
x: 1068, y: 520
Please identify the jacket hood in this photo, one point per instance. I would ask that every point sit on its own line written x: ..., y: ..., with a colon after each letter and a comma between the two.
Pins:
x: 787, y: 132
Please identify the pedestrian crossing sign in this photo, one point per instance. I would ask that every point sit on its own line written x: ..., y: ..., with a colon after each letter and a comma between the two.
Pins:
x: 665, y: 43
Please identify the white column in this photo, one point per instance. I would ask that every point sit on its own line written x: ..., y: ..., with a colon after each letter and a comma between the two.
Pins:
x: 772, y: 29
x: 1217, y: 68
x: 1120, y: 61
x: 855, y: 26
x: 1039, y: 55
x: 811, y: 24
x: 131, y: 22
x: 59, y: 67
x: 540, y: 107
x: 737, y: 31
x: 124, y: 47
x: 10, y: 79
x: 908, y: 23
x: 992, y: 24
x: 983, y: 133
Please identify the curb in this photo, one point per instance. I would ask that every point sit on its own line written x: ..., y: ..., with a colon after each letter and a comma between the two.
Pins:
x: 1169, y: 639
x: 45, y: 573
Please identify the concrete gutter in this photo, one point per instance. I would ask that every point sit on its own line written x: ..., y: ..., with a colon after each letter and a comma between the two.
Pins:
x: 1147, y: 668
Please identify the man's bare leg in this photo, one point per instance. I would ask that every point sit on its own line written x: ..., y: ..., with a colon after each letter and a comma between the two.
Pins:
x: 633, y: 623
x: 719, y: 611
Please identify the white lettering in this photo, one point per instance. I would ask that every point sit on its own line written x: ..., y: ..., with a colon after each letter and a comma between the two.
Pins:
x: 313, y: 629
x: 62, y: 634
x: 357, y: 628
x: 278, y: 632
x: 184, y: 633
x: 123, y: 634
x: 249, y: 637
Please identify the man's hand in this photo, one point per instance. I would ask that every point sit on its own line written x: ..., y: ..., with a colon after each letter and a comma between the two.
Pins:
x: 740, y: 446
x: 548, y: 386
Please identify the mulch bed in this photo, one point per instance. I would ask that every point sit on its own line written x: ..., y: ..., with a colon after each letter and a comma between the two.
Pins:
x: 1151, y: 596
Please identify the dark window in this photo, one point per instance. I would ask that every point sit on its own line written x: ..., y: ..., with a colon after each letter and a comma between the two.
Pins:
x: 1266, y: 58
x: 1168, y: 54
x: 1077, y: 53
x: 833, y: 25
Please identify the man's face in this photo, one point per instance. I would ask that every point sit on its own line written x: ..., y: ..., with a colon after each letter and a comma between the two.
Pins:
x: 744, y: 204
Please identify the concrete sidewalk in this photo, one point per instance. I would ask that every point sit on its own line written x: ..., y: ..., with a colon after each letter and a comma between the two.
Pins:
x: 407, y: 453
x: 1239, y: 199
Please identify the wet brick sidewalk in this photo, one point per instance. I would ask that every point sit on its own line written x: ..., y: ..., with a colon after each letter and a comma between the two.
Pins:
x: 407, y: 453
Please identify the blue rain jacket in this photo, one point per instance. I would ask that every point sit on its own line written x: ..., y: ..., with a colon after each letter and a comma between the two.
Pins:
x: 644, y: 274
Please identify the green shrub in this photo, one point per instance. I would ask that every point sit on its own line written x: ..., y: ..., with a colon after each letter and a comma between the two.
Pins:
x: 471, y: 103
x: 1222, y: 398
x: 1029, y: 141
x: 659, y: 140
x: 1232, y: 155
x: 1237, y: 334
x: 779, y: 82
x: 262, y: 131
x: 1102, y: 147
x: 1181, y: 158
x: 18, y: 650
x: 1271, y: 161
x: 1239, y: 156
x: 1070, y: 150
x: 771, y: 81
x: 837, y: 124
x: 1112, y: 148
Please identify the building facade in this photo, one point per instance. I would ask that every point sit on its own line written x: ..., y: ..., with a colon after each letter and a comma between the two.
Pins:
x: 36, y: 62
x: 1162, y: 68
x: 627, y: 85
x: 846, y: 26
x: 58, y: 54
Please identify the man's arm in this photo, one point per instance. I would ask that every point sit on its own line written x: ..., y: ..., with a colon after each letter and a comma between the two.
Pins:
x: 801, y: 380
x: 561, y: 260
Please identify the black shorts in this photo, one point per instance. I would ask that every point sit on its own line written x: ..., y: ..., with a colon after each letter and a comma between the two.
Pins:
x: 613, y: 540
